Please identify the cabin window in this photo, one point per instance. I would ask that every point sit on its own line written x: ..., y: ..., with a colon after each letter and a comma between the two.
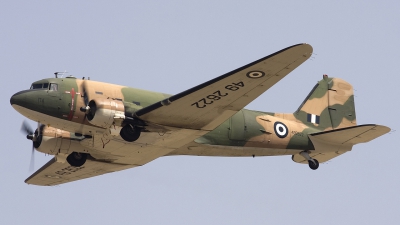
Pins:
x: 36, y: 86
x: 40, y: 86
x: 53, y: 87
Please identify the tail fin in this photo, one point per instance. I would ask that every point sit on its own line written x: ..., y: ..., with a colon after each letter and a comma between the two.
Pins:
x: 330, y: 105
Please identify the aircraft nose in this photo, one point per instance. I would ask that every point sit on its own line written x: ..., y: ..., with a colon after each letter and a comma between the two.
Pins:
x: 28, y: 101
x: 18, y: 98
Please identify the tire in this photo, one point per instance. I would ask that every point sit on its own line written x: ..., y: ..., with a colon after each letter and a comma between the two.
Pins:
x: 130, y: 134
x: 77, y: 159
x: 313, y: 165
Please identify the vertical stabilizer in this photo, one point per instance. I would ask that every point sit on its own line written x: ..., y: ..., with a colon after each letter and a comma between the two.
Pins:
x: 330, y: 105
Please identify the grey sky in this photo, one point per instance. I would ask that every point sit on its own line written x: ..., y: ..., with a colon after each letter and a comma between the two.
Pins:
x: 170, y: 46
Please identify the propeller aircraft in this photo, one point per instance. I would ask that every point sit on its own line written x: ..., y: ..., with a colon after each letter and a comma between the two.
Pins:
x: 93, y: 128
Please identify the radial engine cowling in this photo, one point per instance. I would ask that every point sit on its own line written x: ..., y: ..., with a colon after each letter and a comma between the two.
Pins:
x: 103, y: 112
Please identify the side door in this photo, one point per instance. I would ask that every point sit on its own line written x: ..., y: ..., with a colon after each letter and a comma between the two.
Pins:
x: 237, y: 127
x: 255, y: 134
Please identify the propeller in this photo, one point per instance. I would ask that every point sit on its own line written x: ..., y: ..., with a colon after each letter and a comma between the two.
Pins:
x: 85, y: 99
x: 25, y: 128
x: 90, y: 106
x: 36, y: 138
x: 32, y: 163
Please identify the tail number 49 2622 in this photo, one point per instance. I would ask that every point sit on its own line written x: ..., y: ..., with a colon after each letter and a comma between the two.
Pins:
x: 217, y: 95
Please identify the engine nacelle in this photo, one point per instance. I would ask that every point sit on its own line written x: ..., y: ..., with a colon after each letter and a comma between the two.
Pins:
x: 103, y: 112
x: 55, y: 141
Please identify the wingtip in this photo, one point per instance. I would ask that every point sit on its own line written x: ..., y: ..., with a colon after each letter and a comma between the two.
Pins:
x: 310, y: 48
x: 306, y: 48
x: 384, y: 128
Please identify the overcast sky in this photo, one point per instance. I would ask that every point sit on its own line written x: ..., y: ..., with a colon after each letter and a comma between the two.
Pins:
x: 171, y: 46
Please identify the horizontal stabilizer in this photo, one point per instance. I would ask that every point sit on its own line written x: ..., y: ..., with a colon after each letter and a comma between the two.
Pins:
x: 351, y: 135
x: 320, y: 156
x: 330, y: 144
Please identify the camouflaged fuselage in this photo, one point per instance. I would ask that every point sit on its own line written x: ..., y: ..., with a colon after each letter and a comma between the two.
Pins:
x: 100, y: 128
x: 258, y: 129
x: 330, y: 105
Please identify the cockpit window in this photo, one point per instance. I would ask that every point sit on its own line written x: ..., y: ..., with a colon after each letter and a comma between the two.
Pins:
x: 40, y: 86
x: 53, y: 87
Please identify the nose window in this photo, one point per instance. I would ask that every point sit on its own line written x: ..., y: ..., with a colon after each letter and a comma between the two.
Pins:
x: 53, y: 87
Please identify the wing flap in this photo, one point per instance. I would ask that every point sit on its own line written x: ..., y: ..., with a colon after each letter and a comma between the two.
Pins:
x: 209, y: 104
x: 54, y: 173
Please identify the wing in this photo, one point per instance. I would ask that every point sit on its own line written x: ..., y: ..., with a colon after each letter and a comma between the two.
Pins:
x: 209, y: 104
x: 54, y: 173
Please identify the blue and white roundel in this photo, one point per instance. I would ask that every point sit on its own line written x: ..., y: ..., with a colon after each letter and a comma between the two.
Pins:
x: 280, y: 129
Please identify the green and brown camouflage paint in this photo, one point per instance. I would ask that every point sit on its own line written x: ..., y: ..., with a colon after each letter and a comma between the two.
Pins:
x: 331, y: 100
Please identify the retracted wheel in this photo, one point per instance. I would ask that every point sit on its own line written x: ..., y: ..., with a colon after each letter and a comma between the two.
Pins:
x: 313, y: 164
x: 130, y: 133
x: 76, y: 159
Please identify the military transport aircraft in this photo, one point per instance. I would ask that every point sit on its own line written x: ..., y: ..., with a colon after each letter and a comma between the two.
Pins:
x: 93, y: 128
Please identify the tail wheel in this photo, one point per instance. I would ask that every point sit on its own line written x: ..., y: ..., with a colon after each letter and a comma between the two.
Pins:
x: 130, y: 133
x: 313, y: 164
x: 77, y: 159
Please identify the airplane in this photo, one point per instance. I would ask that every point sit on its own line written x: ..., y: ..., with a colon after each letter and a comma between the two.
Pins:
x: 93, y: 128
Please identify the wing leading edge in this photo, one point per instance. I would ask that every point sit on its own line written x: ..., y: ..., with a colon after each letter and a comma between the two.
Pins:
x: 209, y: 104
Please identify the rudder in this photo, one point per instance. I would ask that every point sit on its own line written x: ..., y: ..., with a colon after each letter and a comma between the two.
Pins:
x: 330, y: 105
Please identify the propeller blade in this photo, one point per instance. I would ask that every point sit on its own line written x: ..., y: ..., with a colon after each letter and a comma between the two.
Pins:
x: 26, y: 128
x: 85, y: 97
x: 85, y: 94
x: 40, y: 128
x: 32, y: 163
x: 31, y: 135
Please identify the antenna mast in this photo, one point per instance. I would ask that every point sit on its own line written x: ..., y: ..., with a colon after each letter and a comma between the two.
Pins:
x: 62, y: 73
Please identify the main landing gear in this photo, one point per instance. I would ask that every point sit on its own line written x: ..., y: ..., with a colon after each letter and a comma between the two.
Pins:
x: 77, y: 159
x: 312, y: 163
x: 130, y: 133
